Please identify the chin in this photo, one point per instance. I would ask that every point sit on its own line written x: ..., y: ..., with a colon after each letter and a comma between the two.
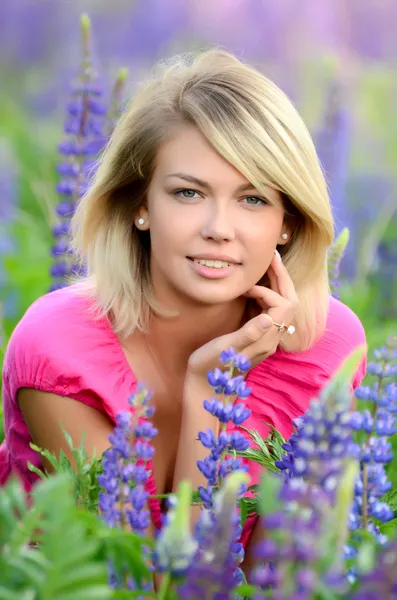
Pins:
x: 212, y: 297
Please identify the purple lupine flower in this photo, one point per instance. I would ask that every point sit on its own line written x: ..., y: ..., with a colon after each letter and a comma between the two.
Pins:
x: 123, y: 500
x: 175, y: 546
x: 213, y: 571
x: 333, y: 147
x: 373, y: 428
x: 84, y: 127
x: 381, y: 582
x: 323, y: 439
x: 8, y: 200
x: 124, y: 466
x: 218, y: 465
x: 292, y: 560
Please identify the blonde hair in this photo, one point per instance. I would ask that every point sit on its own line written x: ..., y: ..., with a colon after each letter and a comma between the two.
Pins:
x: 235, y: 107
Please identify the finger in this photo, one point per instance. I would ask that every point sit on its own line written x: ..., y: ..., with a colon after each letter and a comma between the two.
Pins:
x: 278, y: 308
x: 252, y: 332
x: 284, y: 281
x: 267, y: 298
x: 273, y: 281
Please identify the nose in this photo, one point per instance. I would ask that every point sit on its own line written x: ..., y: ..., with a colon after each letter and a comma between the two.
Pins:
x: 218, y: 225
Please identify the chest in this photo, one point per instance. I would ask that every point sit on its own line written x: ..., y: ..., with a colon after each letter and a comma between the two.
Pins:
x: 167, y: 392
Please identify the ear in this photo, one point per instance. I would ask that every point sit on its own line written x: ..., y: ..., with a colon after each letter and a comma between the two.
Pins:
x: 142, y: 220
x: 285, y: 235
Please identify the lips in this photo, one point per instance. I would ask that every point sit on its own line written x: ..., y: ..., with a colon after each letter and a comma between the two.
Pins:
x: 221, y: 258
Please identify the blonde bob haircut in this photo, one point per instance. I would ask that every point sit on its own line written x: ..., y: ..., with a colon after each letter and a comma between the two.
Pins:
x: 253, y: 125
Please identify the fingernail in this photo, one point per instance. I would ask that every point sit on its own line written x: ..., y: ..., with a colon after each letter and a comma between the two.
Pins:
x: 277, y: 253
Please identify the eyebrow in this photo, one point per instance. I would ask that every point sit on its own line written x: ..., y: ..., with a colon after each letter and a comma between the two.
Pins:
x: 242, y: 188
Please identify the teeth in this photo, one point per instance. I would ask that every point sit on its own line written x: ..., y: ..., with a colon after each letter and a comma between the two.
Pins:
x: 216, y: 264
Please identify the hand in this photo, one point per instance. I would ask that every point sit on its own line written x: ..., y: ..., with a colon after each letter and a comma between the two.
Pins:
x: 258, y: 338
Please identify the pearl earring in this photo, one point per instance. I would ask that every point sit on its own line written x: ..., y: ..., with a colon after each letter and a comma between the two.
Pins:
x: 284, y: 236
x: 141, y: 221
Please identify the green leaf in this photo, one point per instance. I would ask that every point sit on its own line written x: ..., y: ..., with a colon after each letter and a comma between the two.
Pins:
x: 391, y: 499
x: 325, y: 593
x: 39, y: 472
x: 128, y: 594
x: 389, y: 528
x: 243, y: 511
x: 30, y: 572
x: 269, y: 491
x: 83, y: 574
x: 97, y: 592
x: 366, y: 556
x: 125, y: 550
x: 246, y: 589
x: 7, y: 594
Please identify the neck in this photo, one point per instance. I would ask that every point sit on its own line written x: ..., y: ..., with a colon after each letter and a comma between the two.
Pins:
x: 173, y: 340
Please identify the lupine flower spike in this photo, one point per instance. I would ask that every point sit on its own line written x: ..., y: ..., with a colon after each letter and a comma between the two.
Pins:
x: 123, y: 501
x: 373, y: 428
x: 219, y: 463
x: 213, y: 571
x: 116, y: 104
x: 85, y: 139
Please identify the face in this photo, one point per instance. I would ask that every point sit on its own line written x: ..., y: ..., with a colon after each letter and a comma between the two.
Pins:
x: 200, y: 207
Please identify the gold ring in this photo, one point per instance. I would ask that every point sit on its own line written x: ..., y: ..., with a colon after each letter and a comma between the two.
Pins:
x: 282, y: 327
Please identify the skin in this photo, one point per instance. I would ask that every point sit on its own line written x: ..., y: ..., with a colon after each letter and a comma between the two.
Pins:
x: 185, y: 223
x: 217, y: 218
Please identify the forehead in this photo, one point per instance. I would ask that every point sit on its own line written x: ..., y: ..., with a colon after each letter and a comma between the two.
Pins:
x: 186, y: 149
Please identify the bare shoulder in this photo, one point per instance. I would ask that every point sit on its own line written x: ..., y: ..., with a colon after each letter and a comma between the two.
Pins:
x: 45, y: 413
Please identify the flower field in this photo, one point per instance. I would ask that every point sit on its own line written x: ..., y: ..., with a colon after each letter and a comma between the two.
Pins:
x: 328, y: 498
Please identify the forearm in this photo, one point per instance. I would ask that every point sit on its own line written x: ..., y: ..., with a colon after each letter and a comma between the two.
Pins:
x: 194, y: 419
x: 257, y: 535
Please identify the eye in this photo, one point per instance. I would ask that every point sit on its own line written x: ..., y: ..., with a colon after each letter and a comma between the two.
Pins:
x: 181, y: 193
x: 258, y: 200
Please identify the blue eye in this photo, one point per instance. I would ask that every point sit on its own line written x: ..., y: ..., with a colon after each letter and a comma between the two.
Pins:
x: 186, y: 190
x: 255, y: 198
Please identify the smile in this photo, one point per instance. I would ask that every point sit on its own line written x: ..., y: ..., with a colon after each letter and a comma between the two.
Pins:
x: 212, y: 269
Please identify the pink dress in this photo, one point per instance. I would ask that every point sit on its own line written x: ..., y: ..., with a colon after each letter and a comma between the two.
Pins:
x: 57, y: 347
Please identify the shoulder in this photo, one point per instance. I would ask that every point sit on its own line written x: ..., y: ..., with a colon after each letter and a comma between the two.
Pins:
x: 343, y: 333
x: 285, y: 383
x: 57, y: 345
x: 343, y: 326
x: 54, y: 323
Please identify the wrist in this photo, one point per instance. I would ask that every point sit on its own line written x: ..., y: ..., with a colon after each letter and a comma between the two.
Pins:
x: 196, y: 388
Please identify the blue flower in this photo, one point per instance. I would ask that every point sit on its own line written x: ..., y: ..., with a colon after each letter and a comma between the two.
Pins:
x: 85, y: 127
x: 123, y: 498
x: 213, y: 571
x: 218, y: 465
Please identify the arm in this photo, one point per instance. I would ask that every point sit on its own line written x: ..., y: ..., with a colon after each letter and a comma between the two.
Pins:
x: 45, y: 412
x: 257, y: 535
x: 194, y: 419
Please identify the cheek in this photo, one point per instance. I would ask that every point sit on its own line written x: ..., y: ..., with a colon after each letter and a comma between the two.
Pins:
x: 262, y: 237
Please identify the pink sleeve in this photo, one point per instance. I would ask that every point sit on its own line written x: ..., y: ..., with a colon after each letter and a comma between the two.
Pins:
x: 56, y: 349
x: 38, y: 358
x: 285, y: 383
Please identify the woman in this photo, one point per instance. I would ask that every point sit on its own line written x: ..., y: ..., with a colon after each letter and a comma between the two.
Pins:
x: 206, y: 227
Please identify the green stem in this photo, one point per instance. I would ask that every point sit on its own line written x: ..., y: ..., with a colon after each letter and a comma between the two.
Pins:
x: 164, y: 587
